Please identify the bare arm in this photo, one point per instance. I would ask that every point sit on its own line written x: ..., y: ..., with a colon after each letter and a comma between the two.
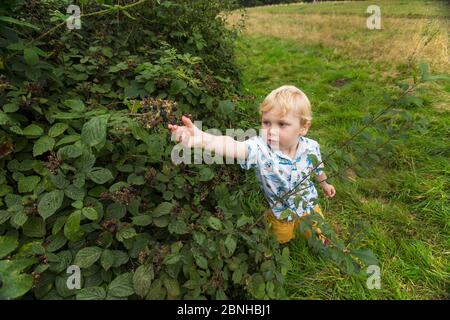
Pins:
x: 327, y: 188
x: 224, y: 146
x: 192, y: 137
x: 321, y: 179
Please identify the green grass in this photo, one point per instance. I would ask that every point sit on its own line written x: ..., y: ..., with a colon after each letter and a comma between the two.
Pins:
x: 404, y: 201
x: 389, y: 8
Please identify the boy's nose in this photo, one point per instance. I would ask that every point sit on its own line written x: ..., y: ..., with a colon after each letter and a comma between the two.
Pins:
x: 273, y: 133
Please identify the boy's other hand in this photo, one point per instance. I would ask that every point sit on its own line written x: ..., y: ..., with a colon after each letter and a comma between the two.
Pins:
x: 329, y: 190
x: 188, y: 135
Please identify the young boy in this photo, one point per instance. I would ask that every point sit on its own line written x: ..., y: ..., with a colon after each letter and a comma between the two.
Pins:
x: 279, y: 156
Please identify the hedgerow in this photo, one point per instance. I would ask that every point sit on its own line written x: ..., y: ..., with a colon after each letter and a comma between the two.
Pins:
x: 85, y: 172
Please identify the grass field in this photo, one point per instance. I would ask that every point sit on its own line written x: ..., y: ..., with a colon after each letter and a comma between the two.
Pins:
x: 405, y: 200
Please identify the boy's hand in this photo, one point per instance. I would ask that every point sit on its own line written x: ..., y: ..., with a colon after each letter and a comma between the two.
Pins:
x: 328, y: 189
x: 189, y: 135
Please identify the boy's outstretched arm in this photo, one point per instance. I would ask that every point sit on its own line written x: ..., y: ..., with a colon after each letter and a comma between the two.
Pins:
x: 192, y: 137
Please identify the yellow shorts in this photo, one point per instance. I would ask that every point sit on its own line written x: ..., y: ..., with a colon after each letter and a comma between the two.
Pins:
x: 284, y: 230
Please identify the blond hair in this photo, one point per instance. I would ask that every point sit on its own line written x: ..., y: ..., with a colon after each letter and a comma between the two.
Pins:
x: 287, y: 98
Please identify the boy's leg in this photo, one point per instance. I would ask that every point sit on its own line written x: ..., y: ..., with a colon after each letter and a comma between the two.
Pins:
x: 283, y: 231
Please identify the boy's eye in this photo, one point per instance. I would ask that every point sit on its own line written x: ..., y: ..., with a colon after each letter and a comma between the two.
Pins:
x: 283, y: 124
x: 266, y: 123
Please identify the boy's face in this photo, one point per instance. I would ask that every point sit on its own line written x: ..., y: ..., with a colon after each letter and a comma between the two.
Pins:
x: 281, y: 132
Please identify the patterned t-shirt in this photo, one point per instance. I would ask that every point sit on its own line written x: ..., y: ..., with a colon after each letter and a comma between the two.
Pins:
x: 277, y: 173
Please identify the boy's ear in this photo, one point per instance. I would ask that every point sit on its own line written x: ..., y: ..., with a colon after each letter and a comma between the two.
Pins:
x: 304, y: 129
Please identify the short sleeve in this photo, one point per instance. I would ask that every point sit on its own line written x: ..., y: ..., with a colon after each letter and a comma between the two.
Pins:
x: 319, y: 170
x: 252, y: 154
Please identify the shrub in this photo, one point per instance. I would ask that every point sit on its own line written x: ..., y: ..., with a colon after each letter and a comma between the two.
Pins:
x: 85, y: 171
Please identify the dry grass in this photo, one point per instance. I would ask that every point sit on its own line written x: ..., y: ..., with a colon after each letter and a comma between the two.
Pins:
x: 401, y: 40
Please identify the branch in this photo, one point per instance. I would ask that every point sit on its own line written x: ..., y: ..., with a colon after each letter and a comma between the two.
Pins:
x: 105, y: 11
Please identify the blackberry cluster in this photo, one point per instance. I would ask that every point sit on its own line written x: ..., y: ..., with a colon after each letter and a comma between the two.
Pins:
x: 155, y: 111
x: 124, y: 195
x: 53, y: 163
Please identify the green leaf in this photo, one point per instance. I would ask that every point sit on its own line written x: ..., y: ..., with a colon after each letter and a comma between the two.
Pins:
x: 72, y: 229
x: 75, y: 193
x: 136, y: 180
x: 413, y: 100
x: 85, y: 162
x: 20, y: 218
x: 59, y: 180
x: 119, y: 67
x: 215, y: 223
x: 70, y: 151
x: 150, y: 86
x: 33, y: 130
x: 107, y: 259
x: 34, y: 227
x: 107, y: 52
x: 56, y: 242
x: 75, y: 105
x: 205, y: 174
x: 230, y: 244
x: 28, y: 184
x: 243, y: 220
x: 94, y: 131
x: 157, y: 292
x: 122, y: 286
x: 120, y: 258
x: 100, y: 175
x: 178, y: 227
x: 162, y: 209
x: 86, y: 257
x: 42, y: 145
x: 125, y: 233
x: 172, y: 258
x: 177, y: 86
x: 423, y: 67
x: 226, y: 106
x: 132, y: 90
x: 57, y: 129
x: 30, y: 56
x: 7, y: 245
x: 91, y: 293
x: 439, y: 77
x: 161, y: 222
x: 142, y: 280
x: 199, y: 238
x: 201, y: 261
x: 10, y: 107
x: 19, y: 23
x: 138, y: 132
x: 68, y: 139
x: 116, y: 211
x: 366, y: 256
x: 14, y: 283
x: 90, y: 213
x: 172, y: 286
x: 141, y: 220
x: 50, y: 202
